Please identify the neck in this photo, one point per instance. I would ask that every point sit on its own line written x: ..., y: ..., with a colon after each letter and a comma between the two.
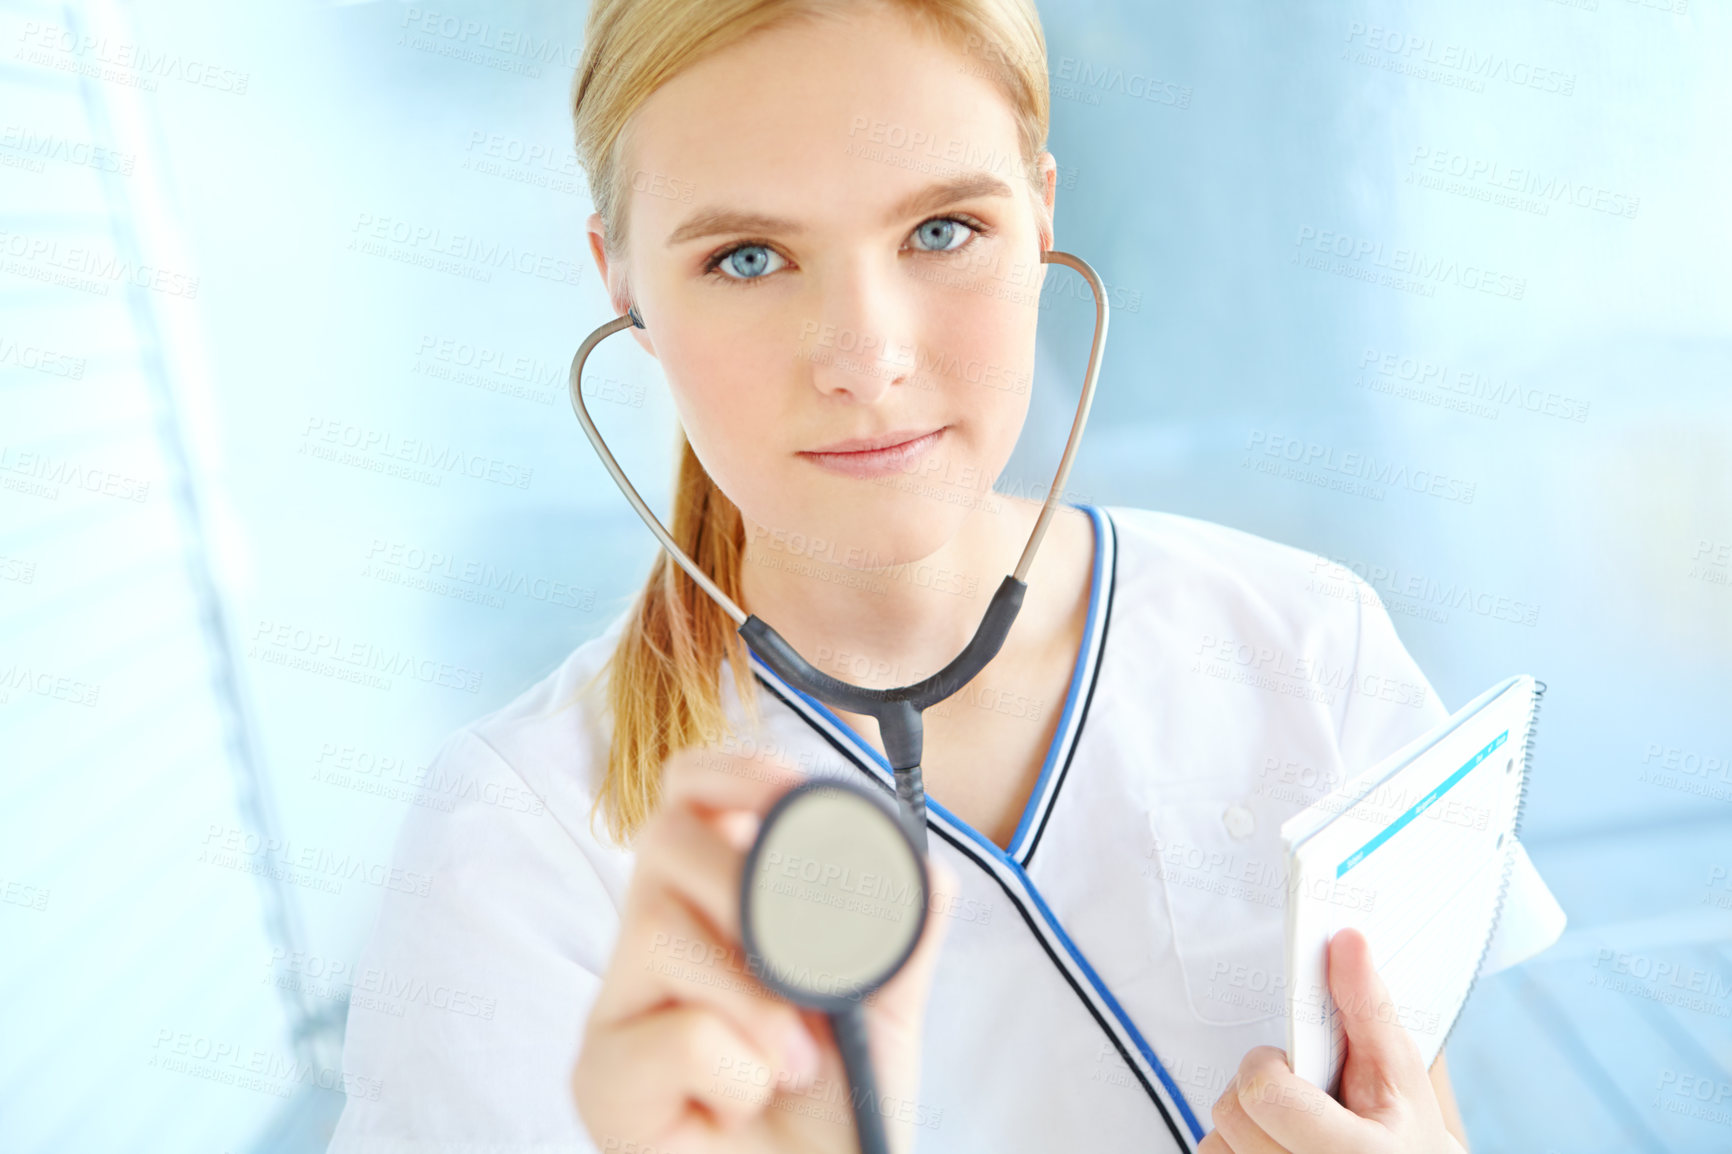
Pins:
x: 889, y: 626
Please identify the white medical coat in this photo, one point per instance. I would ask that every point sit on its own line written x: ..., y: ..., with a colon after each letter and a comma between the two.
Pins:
x: 1099, y: 982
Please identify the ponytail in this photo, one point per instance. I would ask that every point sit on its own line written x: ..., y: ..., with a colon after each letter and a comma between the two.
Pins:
x: 663, y: 690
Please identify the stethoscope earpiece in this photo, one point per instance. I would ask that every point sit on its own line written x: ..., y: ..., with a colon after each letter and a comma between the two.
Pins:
x: 631, y: 311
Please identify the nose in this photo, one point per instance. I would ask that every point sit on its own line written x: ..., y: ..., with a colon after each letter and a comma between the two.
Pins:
x: 858, y: 341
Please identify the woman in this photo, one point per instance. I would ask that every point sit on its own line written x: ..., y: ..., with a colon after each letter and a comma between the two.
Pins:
x: 843, y: 296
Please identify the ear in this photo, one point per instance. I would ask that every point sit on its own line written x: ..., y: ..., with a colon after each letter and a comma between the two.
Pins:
x: 613, y: 277
x: 1046, y: 172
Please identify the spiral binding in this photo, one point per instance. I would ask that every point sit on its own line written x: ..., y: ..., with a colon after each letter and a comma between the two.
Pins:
x: 1509, y: 856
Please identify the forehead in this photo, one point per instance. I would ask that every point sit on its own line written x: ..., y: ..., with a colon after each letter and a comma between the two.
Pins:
x: 827, y: 121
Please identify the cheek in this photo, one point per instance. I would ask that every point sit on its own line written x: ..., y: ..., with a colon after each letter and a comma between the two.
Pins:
x: 727, y: 394
x: 989, y: 373
x: 995, y: 414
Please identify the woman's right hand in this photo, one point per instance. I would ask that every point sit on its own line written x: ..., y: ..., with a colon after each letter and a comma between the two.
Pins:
x: 685, y: 1052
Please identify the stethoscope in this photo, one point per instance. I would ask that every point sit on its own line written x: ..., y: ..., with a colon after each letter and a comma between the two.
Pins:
x: 816, y: 938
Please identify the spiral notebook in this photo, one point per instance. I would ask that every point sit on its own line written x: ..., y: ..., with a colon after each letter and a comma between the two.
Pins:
x: 1416, y: 854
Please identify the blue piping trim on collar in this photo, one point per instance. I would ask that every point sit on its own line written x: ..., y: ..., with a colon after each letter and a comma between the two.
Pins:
x: 877, y: 761
x: 1037, y: 799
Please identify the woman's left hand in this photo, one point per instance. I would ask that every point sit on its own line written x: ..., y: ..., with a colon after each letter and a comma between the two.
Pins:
x: 1387, y: 1102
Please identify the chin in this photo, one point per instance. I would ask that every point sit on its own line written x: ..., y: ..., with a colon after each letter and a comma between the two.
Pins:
x: 869, y: 524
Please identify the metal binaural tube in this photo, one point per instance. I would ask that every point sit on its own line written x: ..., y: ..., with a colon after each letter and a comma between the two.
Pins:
x: 1052, y: 256
x: 625, y: 485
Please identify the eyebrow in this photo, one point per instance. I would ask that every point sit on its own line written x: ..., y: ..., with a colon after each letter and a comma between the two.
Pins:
x: 711, y: 221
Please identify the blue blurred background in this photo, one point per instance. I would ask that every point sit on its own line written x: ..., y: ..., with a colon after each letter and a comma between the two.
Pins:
x: 1483, y: 241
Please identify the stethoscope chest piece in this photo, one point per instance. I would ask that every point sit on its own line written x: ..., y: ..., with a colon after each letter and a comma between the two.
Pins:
x: 834, y: 895
x: 832, y: 903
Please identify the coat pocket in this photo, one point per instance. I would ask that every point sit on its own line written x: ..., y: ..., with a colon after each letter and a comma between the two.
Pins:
x: 1218, y: 854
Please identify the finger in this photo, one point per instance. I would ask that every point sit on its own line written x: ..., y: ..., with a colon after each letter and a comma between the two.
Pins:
x: 714, y: 781
x: 682, y: 962
x: 696, y: 1058
x: 901, y: 1003
x: 1383, y: 1058
x: 1295, y: 1114
x: 1239, y: 1130
x: 896, y: 1012
x: 689, y: 857
x: 1213, y: 1143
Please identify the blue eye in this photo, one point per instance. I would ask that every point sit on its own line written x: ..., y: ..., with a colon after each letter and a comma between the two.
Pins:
x: 942, y: 234
x: 748, y: 262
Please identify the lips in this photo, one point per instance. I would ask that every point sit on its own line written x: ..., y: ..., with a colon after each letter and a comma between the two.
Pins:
x: 875, y: 456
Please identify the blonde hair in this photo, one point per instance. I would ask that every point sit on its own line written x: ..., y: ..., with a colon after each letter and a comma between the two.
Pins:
x: 664, y: 689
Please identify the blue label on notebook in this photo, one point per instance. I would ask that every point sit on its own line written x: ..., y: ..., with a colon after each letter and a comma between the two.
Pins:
x: 1419, y: 806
